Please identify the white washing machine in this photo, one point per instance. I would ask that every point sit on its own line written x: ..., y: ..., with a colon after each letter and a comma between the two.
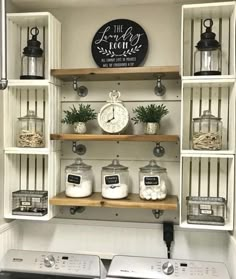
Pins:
x: 157, y: 268
x: 24, y: 264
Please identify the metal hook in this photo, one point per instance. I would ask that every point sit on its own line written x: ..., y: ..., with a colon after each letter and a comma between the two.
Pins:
x: 159, y: 89
x: 82, y: 91
x: 158, y: 150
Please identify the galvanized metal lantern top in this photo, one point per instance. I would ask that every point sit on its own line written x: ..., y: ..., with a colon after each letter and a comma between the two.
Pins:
x: 208, y: 41
x: 33, y: 45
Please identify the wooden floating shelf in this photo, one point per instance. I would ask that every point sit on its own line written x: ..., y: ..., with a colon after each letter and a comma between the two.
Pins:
x: 132, y: 201
x: 95, y: 137
x: 131, y: 73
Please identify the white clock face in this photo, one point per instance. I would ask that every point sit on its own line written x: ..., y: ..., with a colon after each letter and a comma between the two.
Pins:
x: 113, y: 118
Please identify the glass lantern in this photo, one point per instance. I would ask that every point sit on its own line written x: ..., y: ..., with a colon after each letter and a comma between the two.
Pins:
x: 32, y: 61
x: 208, y: 56
x: 30, y: 131
x: 207, y: 132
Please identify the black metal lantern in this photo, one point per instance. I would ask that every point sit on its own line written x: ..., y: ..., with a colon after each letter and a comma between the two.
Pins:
x: 32, y: 61
x: 208, y: 56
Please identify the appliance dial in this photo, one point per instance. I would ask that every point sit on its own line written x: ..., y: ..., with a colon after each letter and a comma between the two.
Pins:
x: 168, y: 268
x: 49, y: 261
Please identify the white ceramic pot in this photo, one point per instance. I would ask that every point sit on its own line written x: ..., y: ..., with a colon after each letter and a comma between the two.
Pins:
x: 80, y: 127
x: 151, y: 128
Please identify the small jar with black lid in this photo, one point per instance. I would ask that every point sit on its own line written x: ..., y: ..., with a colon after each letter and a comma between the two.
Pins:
x: 152, y: 182
x: 79, y: 179
x: 115, y: 181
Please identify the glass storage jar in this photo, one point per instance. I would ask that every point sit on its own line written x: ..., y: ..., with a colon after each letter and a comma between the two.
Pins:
x: 152, y: 182
x: 30, y: 131
x: 115, y: 181
x: 207, y: 132
x: 79, y: 179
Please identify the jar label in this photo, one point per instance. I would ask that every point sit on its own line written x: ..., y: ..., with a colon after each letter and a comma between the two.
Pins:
x: 73, y: 179
x: 25, y: 203
x: 112, y: 180
x: 151, y: 180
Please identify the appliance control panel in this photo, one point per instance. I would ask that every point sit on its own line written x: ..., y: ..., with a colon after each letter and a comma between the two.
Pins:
x: 52, y: 263
x: 143, y: 267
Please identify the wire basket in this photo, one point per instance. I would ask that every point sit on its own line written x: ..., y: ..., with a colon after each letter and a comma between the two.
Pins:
x: 206, y: 210
x: 31, y: 203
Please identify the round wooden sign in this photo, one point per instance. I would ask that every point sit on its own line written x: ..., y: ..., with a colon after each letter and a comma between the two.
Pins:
x: 119, y: 43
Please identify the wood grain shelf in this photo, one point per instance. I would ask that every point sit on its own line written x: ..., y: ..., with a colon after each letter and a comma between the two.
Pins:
x: 106, y: 74
x: 132, y: 201
x: 96, y: 137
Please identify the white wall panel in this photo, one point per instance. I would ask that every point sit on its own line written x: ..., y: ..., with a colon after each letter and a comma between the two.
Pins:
x: 109, y: 238
x: 10, y: 237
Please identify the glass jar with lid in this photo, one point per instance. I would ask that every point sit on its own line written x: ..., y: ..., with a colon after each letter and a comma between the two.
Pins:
x: 30, y: 131
x: 78, y: 179
x: 115, y: 181
x: 152, y: 182
x: 207, y: 132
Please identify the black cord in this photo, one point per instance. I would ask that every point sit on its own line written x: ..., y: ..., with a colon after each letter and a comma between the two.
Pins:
x: 168, y: 236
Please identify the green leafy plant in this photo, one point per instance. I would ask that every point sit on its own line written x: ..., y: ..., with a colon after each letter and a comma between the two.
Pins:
x: 83, y: 114
x: 149, y: 114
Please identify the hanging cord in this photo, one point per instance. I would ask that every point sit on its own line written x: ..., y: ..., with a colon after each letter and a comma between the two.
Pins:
x: 168, y: 236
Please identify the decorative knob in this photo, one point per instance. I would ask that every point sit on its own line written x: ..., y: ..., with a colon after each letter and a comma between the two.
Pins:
x: 168, y: 268
x: 49, y: 261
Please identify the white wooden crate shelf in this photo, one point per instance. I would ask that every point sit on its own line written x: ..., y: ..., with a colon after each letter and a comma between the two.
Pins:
x: 223, y: 16
x: 207, y: 177
x: 30, y: 172
x: 19, y: 25
x: 31, y: 168
x: 220, y: 100
x: 18, y: 150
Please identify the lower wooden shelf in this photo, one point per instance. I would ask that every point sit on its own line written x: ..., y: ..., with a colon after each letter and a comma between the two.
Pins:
x: 132, y: 201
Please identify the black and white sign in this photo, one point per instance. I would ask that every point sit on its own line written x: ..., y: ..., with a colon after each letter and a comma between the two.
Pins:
x: 75, y: 179
x: 119, y: 43
x: 151, y: 180
x: 112, y: 179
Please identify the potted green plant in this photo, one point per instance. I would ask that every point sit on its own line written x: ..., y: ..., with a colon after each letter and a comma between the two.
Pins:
x: 151, y: 116
x: 79, y: 117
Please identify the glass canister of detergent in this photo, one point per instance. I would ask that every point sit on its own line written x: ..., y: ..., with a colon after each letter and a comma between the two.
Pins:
x: 115, y: 181
x: 207, y: 132
x: 152, y: 182
x: 78, y: 179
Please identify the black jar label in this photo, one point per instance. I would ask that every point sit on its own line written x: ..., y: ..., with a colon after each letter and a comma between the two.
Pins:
x: 74, y: 179
x: 112, y: 179
x: 151, y: 180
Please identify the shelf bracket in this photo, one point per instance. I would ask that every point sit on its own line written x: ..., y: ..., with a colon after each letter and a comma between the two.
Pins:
x: 82, y: 91
x: 158, y: 150
x: 157, y: 213
x: 76, y: 209
x: 159, y: 89
x: 79, y: 149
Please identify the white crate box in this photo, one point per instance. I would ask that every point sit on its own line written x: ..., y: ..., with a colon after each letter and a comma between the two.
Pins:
x: 18, y: 28
x: 30, y: 172
x: 204, y: 176
x: 217, y: 96
x: 223, y: 16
